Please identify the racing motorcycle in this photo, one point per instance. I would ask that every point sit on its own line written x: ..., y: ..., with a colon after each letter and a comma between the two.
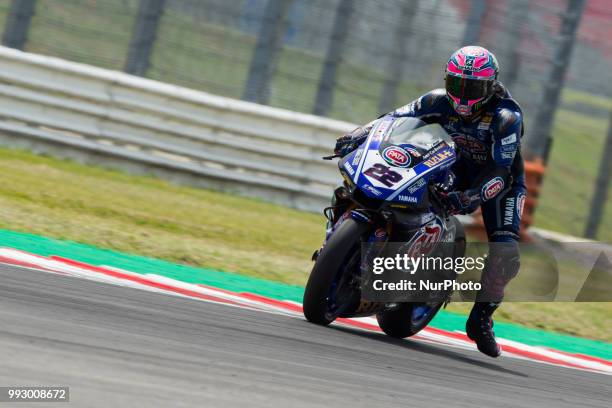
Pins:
x: 393, y: 191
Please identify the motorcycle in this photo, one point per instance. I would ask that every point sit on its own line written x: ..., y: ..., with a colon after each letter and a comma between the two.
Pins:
x: 393, y: 191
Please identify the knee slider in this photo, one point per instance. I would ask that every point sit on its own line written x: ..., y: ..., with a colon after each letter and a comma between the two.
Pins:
x: 504, y: 259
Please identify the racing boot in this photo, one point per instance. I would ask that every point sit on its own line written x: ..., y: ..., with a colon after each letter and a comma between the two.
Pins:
x: 479, y: 328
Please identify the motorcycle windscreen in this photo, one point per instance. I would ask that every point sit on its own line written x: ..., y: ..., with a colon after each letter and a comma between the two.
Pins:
x: 396, y: 163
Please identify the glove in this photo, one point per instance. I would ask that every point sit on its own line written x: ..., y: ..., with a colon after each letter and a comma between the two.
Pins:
x: 343, y: 145
x: 461, y: 202
x: 447, y: 183
x: 350, y: 141
x: 499, y: 89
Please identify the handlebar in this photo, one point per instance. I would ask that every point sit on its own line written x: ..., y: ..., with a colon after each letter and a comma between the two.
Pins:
x: 439, y: 195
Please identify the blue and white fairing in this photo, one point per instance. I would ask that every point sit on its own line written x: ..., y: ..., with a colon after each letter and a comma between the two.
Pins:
x: 399, y: 159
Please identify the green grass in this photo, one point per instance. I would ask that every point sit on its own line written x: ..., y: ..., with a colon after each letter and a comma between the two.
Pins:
x: 79, y: 31
x: 4, y: 9
x: 590, y: 320
x: 155, y: 218
x: 201, y: 56
x: 151, y: 217
x: 590, y: 100
x: 570, y: 179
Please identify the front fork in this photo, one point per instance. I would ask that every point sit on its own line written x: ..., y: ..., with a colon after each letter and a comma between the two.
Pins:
x: 337, y: 212
x: 378, y: 234
x: 342, y: 209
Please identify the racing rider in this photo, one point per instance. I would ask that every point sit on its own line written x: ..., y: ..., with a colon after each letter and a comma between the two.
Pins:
x: 487, y: 125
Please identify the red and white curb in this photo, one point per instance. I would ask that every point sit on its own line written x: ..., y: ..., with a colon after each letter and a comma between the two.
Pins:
x: 162, y: 284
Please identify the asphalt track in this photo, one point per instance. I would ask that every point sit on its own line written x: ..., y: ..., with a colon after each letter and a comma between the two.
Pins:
x: 118, y: 346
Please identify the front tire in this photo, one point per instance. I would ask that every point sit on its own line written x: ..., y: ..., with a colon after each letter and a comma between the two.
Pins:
x: 342, y: 245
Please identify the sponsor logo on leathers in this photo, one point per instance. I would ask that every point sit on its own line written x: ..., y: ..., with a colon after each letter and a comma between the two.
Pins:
x: 520, y: 205
x: 492, y: 188
x: 509, y: 139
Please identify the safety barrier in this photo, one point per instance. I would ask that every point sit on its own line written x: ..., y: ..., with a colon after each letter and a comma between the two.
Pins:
x: 106, y: 117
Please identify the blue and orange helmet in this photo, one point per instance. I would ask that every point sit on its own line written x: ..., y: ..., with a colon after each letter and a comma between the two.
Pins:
x: 470, y: 74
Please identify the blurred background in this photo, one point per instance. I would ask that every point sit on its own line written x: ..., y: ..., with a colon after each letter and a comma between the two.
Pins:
x: 355, y: 59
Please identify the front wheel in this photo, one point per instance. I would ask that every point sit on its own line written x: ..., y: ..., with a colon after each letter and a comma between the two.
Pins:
x: 330, y: 291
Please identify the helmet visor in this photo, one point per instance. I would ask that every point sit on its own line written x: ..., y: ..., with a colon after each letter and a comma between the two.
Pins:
x: 468, y: 88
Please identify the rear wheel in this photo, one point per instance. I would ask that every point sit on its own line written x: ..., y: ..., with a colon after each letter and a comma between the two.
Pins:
x: 410, y: 318
x: 330, y: 290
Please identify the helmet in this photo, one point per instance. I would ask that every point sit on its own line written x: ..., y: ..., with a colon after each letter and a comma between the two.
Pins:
x: 470, y: 74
